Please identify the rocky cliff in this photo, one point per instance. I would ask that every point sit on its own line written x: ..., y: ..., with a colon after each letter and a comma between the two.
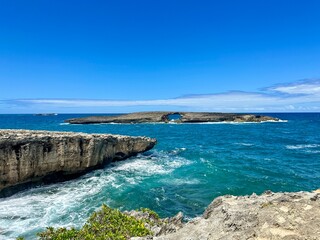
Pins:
x: 41, y: 156
x: 268, y: 216
x: 177, y: 117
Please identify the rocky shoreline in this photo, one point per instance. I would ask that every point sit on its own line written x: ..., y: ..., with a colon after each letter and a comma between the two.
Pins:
x: 176, y: 117
x: 271, y: 215
x: 31, y: 157
x: 282, y: 215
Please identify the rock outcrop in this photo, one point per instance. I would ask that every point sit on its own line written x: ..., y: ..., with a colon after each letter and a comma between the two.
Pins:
x: 178, y: 117
x: 268, y: 216
x: 27, y: 156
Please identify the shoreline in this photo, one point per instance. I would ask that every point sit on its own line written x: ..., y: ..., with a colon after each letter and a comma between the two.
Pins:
x: 280, y: 215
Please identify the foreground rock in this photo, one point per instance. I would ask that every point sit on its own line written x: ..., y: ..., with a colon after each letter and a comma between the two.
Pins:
x: 269, y: 216
x: 178, y: 117
x: 27, y: 157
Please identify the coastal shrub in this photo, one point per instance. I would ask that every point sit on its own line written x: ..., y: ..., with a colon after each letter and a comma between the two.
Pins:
x: 150, y: 212
x: 104, y: 224
x: 59, y: 234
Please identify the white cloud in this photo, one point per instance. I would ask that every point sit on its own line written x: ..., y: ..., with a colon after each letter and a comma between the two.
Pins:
x: 298, y: 96
x: 309, y: 87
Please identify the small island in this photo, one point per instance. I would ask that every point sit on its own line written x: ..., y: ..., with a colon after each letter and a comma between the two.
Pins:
x: 176, y: 117
x: 46, y: 114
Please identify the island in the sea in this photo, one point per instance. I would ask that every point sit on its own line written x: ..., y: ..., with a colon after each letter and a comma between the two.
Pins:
x: 176, y: 117
x: 46, y: 114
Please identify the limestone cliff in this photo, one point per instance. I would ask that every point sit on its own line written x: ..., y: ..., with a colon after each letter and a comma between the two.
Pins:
x: 42, y: 156
x: 268, y: 216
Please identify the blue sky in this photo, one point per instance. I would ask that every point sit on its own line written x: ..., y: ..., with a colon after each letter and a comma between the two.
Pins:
x: 124, y: 56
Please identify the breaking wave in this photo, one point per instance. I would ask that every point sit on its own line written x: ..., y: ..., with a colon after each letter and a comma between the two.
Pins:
x: 70, y: 203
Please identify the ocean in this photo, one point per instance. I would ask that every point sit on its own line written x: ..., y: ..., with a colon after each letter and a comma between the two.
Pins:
x: 190, y: 166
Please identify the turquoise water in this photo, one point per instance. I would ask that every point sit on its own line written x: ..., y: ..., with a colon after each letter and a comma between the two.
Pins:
x: 191, y: 165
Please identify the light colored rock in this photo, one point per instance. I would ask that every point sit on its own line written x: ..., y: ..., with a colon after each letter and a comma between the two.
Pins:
x: 289, y: 216
x: 32, y: 156
x: 157, y: 225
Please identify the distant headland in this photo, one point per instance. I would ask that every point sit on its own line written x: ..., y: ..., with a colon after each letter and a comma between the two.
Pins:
x: 176, y: 117
x: 46, y: 114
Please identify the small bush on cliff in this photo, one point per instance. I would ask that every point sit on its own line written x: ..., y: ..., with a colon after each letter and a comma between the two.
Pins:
x: 150, y: 212
x: 59, y: 234
x: 104, y: 224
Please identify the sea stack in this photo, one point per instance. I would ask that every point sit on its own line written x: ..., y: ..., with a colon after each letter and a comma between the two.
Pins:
x: 28, y: 157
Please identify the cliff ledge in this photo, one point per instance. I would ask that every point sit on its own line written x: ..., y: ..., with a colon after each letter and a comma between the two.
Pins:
x: 28, y: 157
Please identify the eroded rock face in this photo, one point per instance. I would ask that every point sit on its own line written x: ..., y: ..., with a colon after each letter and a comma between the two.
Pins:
x: 184, y: 117
x: 32, y: 156
x: 268, y: 216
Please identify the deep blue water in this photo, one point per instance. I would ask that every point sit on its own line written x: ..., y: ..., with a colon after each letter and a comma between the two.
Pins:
x: 190, y: 166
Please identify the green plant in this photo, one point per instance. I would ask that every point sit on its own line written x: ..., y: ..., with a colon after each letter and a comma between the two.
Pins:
x: 104, y: 224
x: 150, y: 212
x: 58, y: 234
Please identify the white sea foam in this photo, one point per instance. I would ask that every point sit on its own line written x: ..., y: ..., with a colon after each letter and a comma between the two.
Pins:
x: 302, y: 146
x: 39, y: 209
x: 149, y: 165
x: 177, y: 151
x: 64, y: 124
x: 179, y: 162
x: 280, y: 120
x: 70, y: 203
x: 275, y: 121
x: 180, y: 181
x: 141, y: 167
x: 244, y: 144
x: 313, y: 151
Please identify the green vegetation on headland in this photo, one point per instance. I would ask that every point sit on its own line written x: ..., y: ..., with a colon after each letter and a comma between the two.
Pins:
x: 105, y: 224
